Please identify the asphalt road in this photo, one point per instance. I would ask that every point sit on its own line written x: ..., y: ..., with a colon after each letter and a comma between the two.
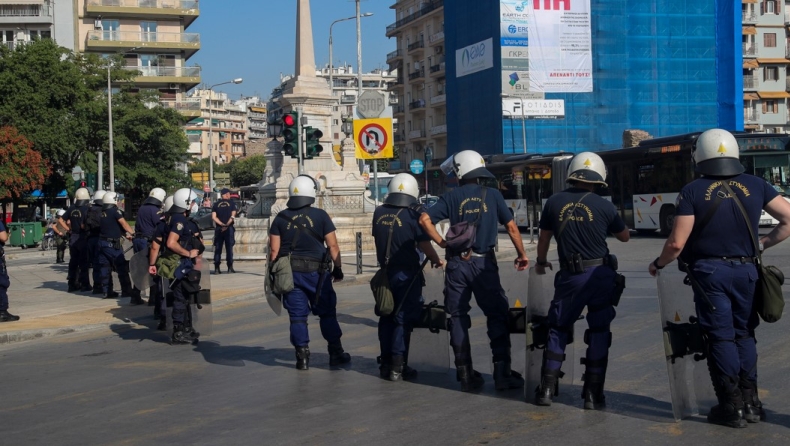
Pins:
x: 239, y: 385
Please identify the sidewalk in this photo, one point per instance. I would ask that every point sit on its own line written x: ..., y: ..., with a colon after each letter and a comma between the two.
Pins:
x: 38, y: 295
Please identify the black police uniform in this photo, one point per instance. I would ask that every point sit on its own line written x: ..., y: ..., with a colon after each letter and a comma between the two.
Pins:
x: 590, y: 219
x: 78, y: 250
x: 479, y: 274
x: 111, y: 253
x: 188, y: 238
x: 224, y: 235
x: 403, y: 269
x: 161, y: 232
x: 148, y: 216
x: 94, y: 254
x: 5, y: 282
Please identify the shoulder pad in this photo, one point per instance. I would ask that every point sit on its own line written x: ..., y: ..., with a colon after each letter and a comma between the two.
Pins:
x: 417, y: 207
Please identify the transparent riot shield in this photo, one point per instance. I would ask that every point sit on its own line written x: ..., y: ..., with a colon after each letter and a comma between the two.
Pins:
x: 200, y: 305
x: 514, y: 283
x: 128, y: 249
x: 275, y: 302
x: 540, y: 293
x: 429, y: 349
x: 138, y: 271
x: 689, y: 381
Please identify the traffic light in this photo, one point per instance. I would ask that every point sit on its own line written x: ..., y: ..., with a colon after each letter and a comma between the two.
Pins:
x: 291, y: 134
x: 312, y: 142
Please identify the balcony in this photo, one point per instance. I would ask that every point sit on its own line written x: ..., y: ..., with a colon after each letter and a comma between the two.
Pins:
x: 175, y: 75
x: 189, y: 10
x: 417, y: 134
x: 749, y: 49
x: 21, y: 14
x: 437, y: 70
x: 99, y: 40
x: 399, y: 138
x: 393, y: 56
x: 417, y: 104
x: 394, y: 100
x: 348, y: 99
x: 439, y: 130
x: 397, y: 83
x: 258, y: 126
x: 187, y: 107
x: 398, y: 109
x: 750, y: 115
x: 787, y: 84
x: 416, y: 46
x: 427, y: 9
x: 439, y: 99
x: 749, y: 82
x: 257, y: 135
x: 787, y: 18
x: 419, y: 74
x: 748, y: 17
x: 262, y: 116
x: 436, y: 38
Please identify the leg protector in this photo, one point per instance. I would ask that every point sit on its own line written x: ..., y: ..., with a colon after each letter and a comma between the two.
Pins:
x: 549, y: 387
x: 302, y: 358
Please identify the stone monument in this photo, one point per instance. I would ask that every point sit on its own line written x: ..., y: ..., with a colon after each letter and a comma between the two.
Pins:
x: 341, y: 187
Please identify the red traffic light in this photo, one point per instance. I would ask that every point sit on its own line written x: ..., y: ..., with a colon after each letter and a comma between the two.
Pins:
x: 83, y: 184
x: 289, y: 120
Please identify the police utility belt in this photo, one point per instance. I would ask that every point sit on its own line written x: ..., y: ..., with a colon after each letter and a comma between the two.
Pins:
x: 489, y: 254
x: 148, y: 238
x: 308, y: 265
x: 577, y: 265
x: 116, y: 242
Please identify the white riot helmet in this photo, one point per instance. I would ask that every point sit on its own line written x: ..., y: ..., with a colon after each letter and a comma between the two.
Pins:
x: 466, y: 165
x: 82, y: 197
x: 587, y: 167
x: 716, y: 153
x: 301, y: 192
x: 403, y: 190
x: 156, y: 196
x: 98, y: 195
x: 61, y: 213
x: 109, y: 200
x: 182, y: 200
x: 168, y: 204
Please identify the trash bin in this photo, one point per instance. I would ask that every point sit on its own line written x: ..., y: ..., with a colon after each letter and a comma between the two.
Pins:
x: 25, y: 234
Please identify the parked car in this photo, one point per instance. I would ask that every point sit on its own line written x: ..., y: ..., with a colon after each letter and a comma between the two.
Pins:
x: 203, y: 219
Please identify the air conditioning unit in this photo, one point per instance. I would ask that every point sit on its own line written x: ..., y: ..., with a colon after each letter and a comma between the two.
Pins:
x: 175, y: 86
x: 778, y: 130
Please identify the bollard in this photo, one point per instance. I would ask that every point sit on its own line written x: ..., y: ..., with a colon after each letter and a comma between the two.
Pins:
x: 359, y: 253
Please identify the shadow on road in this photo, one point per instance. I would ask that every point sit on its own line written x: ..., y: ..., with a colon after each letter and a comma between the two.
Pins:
x: 354, y: 320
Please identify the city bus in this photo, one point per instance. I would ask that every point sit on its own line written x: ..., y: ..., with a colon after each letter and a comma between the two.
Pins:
x: 643, y: 181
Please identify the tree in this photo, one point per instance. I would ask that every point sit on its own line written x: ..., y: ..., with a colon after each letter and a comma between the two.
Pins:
x: 22, y: 169
x: 247, y: 170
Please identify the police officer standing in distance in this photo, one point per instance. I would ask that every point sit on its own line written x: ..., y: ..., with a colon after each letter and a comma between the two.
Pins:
x: 61, y: 231
x: 476, y: 270
x: 722, y: 263
x: 93, y: 228
x: 78, y: 279
x: 5, y: 281
x: 224, y: 215
x: 113, y: 227
x: 397, y: 232
x: 580, y: 221
x: 308, y: 235
x: 148, y: 216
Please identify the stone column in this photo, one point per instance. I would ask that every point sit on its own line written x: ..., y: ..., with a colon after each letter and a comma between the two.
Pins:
x: 305, y: 54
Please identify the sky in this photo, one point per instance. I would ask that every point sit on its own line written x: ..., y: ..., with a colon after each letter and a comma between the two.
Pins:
x: 255, y: 40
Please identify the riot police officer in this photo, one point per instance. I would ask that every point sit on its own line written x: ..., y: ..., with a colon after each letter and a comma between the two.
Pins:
x: 183, y: 239
x: 397, y: 232
x: 722, y: 264
x: 148, y: 216
x: 58, y: 226
x: 224, y: 216
x: 110, y: 250
x: 308, y: 235
x: 475, y: 270
x: 93, y: 227
x: 157, y: 247
x: 78, y: 279
x: 5, y: 282
x: 580, y: 221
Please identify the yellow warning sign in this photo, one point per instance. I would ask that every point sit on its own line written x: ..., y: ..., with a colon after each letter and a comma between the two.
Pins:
x: 373, y: 138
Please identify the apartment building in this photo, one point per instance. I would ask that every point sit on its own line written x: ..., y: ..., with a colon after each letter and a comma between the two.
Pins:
x: 257, y: 124
x: 228, y: 127
x: 24, y: 20
x: 152, y: 36
x: 766, y: 56
x: 419, y: 88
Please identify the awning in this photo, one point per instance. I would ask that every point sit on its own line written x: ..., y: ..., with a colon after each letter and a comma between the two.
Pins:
x: 749, y: 1
x: 750, y: 63
x: 25, y: 2
x: 773, y: 94
x: 750, y: 97
x: 749, y: 30
x: 773, y: 60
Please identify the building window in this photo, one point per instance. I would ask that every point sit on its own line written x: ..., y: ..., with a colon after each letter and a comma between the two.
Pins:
x: 769, y: 40
x: 770, y: 106
x: 769, y: 7
x: 771, y: 73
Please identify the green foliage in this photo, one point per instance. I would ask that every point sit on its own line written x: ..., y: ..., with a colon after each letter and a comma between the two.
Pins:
x: 247, y: 170
x: 21, y: 168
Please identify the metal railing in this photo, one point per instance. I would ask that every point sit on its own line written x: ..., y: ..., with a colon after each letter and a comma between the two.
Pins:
x: 348, y: 99
x: 398, y: 109
x: 25, y: 11
x: 438, y: 129
x: 166, y: 71
x: 161, y: 4
x: 439, y: 99
x: 182, y: 105
x: 416, y: 45
x: 749, y: 82
x: 416, y: 74
x: 435, y: 38
x: 263, y: 116
x: 399, y: 138
x: 437, y: 68
x: 748, y: 17
x: 749, y: 49
x: 750, y: 115
x: 137, y: 36
x: 427, y: 9
x: 419, y: 133
x: 394, y: 55
x: 417, y: 104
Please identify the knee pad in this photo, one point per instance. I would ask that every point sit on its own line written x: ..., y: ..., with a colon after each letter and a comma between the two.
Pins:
x: 604, y: 331
x: 299, y: 321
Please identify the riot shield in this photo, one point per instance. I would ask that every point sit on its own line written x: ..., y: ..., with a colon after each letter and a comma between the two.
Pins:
x: 541, y: 292
x: 429, y: 349
x: 275, y: 302
x: 200, y: 305
x: 138, y: 271
x: 689, y: 381
x: 128, y: 249
x: 514, y: 283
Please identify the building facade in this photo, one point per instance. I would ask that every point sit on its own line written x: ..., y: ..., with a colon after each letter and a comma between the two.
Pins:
x: 228, y: 131
x: 24, y: 20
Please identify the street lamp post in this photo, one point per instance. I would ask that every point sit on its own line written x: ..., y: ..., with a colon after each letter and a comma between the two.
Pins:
x: 238, y: 80
x: 109, y: 123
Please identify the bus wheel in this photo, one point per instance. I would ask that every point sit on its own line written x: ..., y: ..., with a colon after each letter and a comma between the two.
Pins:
x: 667, y: 219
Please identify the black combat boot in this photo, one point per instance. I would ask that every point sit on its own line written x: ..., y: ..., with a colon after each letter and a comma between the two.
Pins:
x: 180, y: 335
x: 86, y: 288
x: 230, y: 268
x: 97, y: 290
x: 110, y: 295
x: 549, y: 387
x: 336, y: 354
x: 73, y: 287
x: 396, y: 371
x: 505, y: 379
x: 729, y: 412
x: 136, y: 299
x: 752, y: 406
x: 592, y: 392
x: 302, y: 358
x: 59, y: 257
x: 385, y: 366
x: 470, y: 378
x: 216, y: 269
x: 409, y: 374
x: 162, y: 325
x: 5, y: 316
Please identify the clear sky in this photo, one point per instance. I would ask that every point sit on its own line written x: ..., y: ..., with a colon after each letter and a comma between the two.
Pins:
x: 255, y: 39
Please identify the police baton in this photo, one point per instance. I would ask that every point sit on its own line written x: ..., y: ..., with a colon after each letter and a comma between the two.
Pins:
x: 414, y: 279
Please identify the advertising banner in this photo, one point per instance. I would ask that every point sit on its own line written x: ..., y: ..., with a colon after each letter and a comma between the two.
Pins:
x: 473, y: 58
x: 534, y: 109
x: 560, y: 47
x: 514, y: 40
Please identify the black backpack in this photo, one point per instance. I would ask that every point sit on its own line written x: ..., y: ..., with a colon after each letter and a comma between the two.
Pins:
x: 93, y: 219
